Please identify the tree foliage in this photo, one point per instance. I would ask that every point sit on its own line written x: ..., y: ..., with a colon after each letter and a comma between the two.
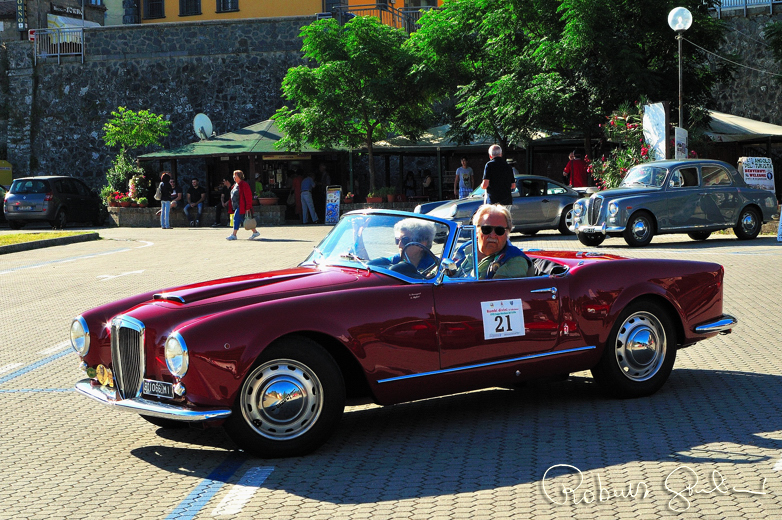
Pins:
x: 130, y: 129
x: 359, y: 90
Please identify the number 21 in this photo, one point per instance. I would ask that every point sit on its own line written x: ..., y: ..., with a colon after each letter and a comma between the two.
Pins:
x: 500, y: 327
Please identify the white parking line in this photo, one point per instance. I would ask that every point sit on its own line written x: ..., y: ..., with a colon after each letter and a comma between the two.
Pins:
x: 73, y: 259
x: 58, y: 347
x: 10, y: 367
x: 778, y: 466
x: 243, y: 491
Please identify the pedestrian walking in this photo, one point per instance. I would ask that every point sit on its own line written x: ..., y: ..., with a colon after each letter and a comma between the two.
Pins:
x: 242, y: 203
x: 575, y: 172
x: 225, y: 202
x: 165, y: 200
x: 307, y: 205
x: 498, y: 180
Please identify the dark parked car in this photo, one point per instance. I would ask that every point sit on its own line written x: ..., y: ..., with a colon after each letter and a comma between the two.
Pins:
x: 538, y: 203
x: 3, y: 191
x: 54, y: 199
x: 693, y: 196
x: 375, y: 314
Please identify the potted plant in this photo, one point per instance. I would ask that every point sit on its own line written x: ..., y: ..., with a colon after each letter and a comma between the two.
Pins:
x: 388, y: 194
x: 143, y: 202
x: 348, y: 198
x: 373, y: 197
x: 267, y: 198
x: 124, y: 200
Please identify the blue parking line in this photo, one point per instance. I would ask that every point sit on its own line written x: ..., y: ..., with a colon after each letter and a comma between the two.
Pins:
x: 37, y: 364
x: 203, y: 493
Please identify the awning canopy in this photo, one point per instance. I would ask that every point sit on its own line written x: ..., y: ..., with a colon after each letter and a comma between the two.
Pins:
x: 254, y: 139
x: 726, y: 128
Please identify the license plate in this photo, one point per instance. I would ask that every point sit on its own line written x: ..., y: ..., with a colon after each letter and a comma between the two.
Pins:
x: 25, y: 208
x: 158, y: 388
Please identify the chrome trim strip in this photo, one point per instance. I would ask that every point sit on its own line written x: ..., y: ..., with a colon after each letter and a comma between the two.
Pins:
x: 168, y: 297
x: 153, y: 408
x: 726, y: 322
x: 482, y: 365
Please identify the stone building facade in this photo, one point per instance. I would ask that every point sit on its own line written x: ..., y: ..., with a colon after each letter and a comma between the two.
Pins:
x: 52, y: 115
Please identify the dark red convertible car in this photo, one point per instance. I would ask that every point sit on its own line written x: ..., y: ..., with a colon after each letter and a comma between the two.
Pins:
x: 384, y: 309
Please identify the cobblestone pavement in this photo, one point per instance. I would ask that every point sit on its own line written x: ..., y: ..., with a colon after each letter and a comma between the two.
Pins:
x: 496, y: 453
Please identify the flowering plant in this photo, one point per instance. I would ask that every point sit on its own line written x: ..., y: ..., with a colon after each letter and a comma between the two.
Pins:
x: 123, y: 197
x: 625, y: 128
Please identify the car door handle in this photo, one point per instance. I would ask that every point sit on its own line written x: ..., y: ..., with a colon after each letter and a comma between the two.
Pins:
x: 552, y: 290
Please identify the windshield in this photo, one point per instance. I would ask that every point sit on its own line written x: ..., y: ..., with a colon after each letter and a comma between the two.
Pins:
x: 645, y: 175
x: 403, y: 244
x: 479, y: 192
x: 30, y: 186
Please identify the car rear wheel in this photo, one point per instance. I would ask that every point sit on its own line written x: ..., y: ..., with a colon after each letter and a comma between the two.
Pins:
x: 699, y: 235
x: 60, y: 221
x: 639, y: 230
x: 566, y: 221
x: 591, y: 239
x: 748, y: 226
x: 15, y: 225
x: 289, y: 402
x: 640, y: 352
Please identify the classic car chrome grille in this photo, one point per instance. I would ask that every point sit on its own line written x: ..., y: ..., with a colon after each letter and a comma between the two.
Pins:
x: 594, y: 210
x: 127, y: 355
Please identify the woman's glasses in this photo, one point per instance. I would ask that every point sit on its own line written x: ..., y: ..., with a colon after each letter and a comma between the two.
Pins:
x: 403, y: 240
x: 498, y: 230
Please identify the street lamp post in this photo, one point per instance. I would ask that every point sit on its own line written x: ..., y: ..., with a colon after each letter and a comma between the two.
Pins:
x: 680, y: 19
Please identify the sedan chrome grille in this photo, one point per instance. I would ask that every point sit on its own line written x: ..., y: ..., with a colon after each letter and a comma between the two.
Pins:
x: 127, y: 355
x: 595, y: 203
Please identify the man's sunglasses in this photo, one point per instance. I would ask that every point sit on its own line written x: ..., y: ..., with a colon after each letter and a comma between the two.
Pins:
x: 403, y: 240
x: 498, y: 230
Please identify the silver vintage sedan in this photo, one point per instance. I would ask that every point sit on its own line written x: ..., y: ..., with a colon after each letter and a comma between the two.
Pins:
x: 538, y: 203
x: 693, y: 196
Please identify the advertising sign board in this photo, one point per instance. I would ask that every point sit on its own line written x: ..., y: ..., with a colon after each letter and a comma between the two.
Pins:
x: 758, y: 172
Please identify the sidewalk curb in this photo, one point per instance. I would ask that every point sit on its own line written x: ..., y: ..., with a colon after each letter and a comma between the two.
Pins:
x: 39, y: 244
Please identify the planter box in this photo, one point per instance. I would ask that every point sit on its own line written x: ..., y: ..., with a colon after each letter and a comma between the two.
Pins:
x: 146, y: 217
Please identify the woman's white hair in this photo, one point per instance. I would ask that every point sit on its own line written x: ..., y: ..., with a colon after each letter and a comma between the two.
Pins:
x: 419, y: 230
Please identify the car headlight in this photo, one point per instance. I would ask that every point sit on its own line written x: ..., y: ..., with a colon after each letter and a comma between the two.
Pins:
x: 417, y: 209
x: 613, y: 209
x: 177, y: 358
x: 80, y: 336
x: 578, y: 209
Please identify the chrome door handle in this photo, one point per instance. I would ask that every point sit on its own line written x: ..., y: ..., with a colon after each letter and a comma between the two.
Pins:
x: 552, y: 290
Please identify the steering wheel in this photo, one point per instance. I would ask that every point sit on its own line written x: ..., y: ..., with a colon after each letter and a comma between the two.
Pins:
x: 421, y: 272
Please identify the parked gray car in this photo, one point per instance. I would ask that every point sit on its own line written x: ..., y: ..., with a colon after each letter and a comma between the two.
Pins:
x: 693, y: 196
x: 538, y: 203
x: 53, y: 199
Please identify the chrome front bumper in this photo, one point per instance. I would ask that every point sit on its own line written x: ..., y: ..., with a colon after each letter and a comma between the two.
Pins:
x: 593, y: 230
x: 152, y: 408
x: 723, y: 325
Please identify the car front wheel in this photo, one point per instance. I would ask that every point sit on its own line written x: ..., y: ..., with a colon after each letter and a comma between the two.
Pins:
x: 748, y: 226
x: 640, y: 352
x: 60, y: 221
x: 289, y: 402
x: 591, y: 239
x: 639, y: 230
x: 566, y: 221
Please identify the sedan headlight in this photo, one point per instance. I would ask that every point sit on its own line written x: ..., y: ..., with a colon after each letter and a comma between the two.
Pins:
x: 417, y: 209
x: 80, y: 336
x: 612, y: 209
x: 177, y: 358
x: 578, y: 209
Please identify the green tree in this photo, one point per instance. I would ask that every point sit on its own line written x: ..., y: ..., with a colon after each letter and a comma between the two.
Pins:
x: 130, y: 130
x: 360, y: 89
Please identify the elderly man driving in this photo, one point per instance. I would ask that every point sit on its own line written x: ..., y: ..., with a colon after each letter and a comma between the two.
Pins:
x: 498, y: 258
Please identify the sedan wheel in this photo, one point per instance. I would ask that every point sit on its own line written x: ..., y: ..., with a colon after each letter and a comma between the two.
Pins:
x: 289, y: 402
x: 699, y: 235
x: 60, y: 221
x: 640, y: 352
x: 591, y: 239
x: 748, y: 226
x: 639, y: 230
x: 566, y: 221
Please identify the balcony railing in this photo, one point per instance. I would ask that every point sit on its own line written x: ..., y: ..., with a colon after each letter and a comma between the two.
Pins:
x: 732, y: 5
x: 59, y: 42
x: 406, y: 19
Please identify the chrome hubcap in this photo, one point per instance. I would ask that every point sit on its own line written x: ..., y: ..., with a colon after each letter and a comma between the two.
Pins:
x: 748, y: 222
x: 640, y: 346
x: 281, y: 399
x: 569, y: 221
x: 640, y: 229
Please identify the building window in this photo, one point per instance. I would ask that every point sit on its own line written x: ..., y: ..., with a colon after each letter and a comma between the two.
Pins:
x: 227, y: 5
x: 189, y: 7
x: 154, y: 9
x: 96, y: 2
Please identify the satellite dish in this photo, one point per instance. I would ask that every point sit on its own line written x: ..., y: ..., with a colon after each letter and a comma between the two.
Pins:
x: 202, y: 126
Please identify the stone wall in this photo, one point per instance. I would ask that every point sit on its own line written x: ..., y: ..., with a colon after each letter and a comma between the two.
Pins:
x: 751, y: 94
x: 229, y: 70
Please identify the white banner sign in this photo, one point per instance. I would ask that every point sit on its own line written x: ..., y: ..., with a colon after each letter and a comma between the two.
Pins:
x: 680, y: 136
x: 758, y: 172
x: 502, y: 319
x: 654, y: 129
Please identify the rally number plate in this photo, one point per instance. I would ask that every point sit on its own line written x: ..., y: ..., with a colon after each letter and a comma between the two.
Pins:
x: 158, y: 388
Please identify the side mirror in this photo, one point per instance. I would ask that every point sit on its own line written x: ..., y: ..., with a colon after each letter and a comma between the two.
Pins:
x: 449, y: 267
